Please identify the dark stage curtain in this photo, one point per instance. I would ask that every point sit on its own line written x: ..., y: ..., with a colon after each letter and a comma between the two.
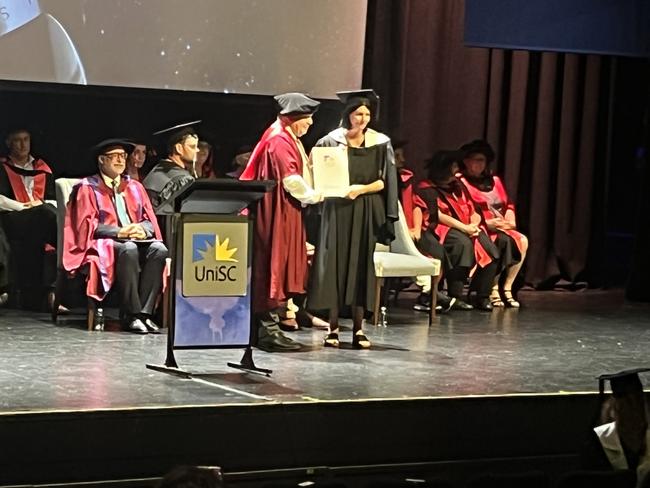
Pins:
x: 544, y: 113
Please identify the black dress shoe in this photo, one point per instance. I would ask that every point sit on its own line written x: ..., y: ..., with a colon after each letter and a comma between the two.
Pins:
x: 446, y: 304
x: 270, y: 339
x: 483, y: 304
x: 461, y: 305
x: 137, y: 326
x: 151, y: 326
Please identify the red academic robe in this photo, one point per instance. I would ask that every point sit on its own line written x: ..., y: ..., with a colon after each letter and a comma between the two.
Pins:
x: 91, y: 204
x: 279, y: 256
x: 480, y: 199
x: 41, y: 173
x: 409, y: 199
x: 461, y: 208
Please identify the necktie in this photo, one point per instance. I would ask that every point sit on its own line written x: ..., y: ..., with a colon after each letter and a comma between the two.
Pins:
x: 120, y: 206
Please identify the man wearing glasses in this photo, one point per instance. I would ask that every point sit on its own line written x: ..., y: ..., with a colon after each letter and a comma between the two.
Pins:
x: 111, y: 227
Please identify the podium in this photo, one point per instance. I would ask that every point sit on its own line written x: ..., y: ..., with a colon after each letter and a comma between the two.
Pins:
x: 210, y: 242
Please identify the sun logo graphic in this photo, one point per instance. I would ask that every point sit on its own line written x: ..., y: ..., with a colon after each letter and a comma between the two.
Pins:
x: 208, y: 247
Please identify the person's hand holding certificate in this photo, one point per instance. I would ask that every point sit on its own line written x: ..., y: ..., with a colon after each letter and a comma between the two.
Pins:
x: 330, y: 170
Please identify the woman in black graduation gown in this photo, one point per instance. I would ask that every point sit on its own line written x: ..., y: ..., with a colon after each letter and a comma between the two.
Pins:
x: 343, y: 271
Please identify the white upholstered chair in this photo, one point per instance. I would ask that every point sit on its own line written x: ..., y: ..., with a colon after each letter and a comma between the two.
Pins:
x: 402, y: 259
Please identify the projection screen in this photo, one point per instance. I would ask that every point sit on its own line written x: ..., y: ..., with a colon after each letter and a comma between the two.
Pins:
x: 233, y: 46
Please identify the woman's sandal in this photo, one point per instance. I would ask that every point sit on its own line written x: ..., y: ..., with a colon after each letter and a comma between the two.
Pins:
x: 332, y: 339
x: 495, y: 298
x: 360, y: 341
x: 510, y: 300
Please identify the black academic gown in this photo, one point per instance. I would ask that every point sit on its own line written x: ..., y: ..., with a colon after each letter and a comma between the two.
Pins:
x: 165, y: 179
x: 343, y: 272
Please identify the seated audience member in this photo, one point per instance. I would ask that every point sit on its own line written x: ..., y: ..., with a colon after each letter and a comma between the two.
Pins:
x: 205, y: 161
x: 136, y: 161
x: 28, y: 203
x: 240, y: 161
x: 171, y: 174
x: 414, y: 209
x: 459, y: 229
x: 489, y: 193
x: 622, y: 444
x: 193, y: 477
x: 111, y: 228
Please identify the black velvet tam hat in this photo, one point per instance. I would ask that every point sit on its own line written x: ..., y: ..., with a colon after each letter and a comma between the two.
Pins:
x: 478, y: 146
x: 623, y: 383
x: 295, y: 104
x: 101, y: 147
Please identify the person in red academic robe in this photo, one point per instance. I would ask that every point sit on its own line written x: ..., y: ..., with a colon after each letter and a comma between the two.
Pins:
x: 280, y: 255
x: 415, y: 209
x: 28, y: 205
x: 111, y: 228
x: 460, y: 229
x: 489, y: 193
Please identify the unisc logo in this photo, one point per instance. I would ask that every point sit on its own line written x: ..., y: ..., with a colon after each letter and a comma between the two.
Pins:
x: 209, y: 255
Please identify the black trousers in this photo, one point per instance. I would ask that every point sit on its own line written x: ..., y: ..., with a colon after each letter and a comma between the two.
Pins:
x: 138, y: 274
x: 460, y: 249
x: 28, y: 231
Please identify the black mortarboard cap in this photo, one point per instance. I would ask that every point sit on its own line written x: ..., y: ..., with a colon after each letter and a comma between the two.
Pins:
x: 623, y: 382
x: 175, y: 134
x: 100, y: 147
x: 295, y: 104
x: 354, y: 98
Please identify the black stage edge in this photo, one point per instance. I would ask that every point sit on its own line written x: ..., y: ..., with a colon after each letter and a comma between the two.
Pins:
x: 439, y: 435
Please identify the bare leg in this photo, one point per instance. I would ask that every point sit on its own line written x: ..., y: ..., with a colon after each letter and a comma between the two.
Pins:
x: 359, y: 340
x: 332, y: 339
x: 511, y: 274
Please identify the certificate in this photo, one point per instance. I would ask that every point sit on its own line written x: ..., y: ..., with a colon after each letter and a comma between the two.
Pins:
x: 330, y: 169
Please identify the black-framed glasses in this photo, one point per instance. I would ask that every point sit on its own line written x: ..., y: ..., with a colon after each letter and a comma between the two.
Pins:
x: 116, y: 156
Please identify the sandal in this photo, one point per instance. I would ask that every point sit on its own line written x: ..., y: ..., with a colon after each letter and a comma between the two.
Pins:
x: 360, y: 341
x: 495, y: 298
x: 510, y: 300
x: 332, y: 339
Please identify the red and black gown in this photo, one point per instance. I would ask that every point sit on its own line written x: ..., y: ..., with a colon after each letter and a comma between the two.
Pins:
x: 31, y: 232
x: 463, y: 252
x: 489, y: 194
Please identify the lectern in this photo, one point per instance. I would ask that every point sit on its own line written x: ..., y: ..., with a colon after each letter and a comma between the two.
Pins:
x: 211, y: 242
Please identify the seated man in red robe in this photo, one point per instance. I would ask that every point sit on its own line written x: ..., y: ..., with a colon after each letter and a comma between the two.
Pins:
x: 110, y: 227
x: 280, y: 252
x: 28, y: 203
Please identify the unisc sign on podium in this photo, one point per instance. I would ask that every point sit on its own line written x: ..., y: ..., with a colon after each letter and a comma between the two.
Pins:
x: 217, y: 263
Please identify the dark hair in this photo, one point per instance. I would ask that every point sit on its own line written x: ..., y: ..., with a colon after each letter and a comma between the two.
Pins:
x: 439, y: 165
x: 192, y: 477
x: 354, y: 104
x: 179, y: 139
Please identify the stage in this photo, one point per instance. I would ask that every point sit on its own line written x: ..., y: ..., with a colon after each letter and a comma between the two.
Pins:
x: 416, y: 383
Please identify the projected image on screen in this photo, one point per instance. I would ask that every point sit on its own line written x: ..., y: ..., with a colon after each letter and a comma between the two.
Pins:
x: 234, y: 46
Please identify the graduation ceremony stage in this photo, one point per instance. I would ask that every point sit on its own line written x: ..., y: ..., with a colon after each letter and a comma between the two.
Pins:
x: 511, y: 384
